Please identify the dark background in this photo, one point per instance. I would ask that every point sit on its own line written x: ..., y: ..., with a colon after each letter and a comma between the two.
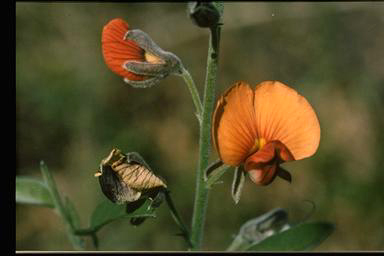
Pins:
x: 71, y: 110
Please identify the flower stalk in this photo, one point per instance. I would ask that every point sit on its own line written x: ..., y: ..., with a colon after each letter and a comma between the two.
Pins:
x: 201, y: 193
x: 176, y: 217
x: 194, y: 93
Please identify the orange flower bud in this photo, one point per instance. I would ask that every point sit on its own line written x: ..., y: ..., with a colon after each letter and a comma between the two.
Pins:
x: 264, y: 127
x: 133, y: 55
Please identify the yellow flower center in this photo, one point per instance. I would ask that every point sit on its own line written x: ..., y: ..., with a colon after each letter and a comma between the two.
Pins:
x: 259, y: 144
x: 152, y: 58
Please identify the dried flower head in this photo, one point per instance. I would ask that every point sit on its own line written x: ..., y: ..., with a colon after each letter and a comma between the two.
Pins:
x: 133, y: 55
x: 264, y: 127
x: 127, y: 178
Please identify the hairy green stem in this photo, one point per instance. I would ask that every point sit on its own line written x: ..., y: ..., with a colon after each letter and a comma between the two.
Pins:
x: 201, y: 196
x: 194, y: 93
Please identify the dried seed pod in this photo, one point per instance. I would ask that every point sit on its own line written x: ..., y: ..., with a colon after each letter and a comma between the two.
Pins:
x: 127, y: 178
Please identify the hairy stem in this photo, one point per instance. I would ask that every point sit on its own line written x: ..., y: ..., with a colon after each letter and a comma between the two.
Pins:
x: 201, y: 194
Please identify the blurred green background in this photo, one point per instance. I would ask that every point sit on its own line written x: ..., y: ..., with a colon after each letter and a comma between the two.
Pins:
x: 71, y: 110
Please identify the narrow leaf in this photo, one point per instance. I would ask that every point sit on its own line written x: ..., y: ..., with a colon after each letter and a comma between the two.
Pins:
x: 72, y: 213
x: 302, y: 237
x: 74, y: 221
x: 60, y: 207
x: 32, y: 191
x: 216, y: 174
x: 212, y: 167
x: 237, y: 184
x: 52, y: 188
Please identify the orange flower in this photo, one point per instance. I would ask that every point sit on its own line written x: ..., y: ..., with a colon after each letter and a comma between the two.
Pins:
x: 133, y: 55
x: 264, y: 127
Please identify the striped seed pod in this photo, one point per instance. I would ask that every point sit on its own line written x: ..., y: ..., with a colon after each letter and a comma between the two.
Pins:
x: 127, y: 178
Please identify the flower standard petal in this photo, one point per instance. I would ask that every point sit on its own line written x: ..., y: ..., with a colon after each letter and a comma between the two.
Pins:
x: 233, y: 130
x: 284, y: 115
x: 116, y: 50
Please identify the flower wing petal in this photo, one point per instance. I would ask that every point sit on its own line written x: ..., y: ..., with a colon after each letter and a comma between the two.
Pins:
x: 283, y: 114
x: 116, y: 50
x: 233, y: 130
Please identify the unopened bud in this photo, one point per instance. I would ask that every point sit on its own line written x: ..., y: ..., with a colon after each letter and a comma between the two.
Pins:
x: 204, y: 14
x: 133, y: 55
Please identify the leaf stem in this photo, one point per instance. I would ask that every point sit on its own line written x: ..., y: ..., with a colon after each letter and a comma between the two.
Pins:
x: 201, y: 194
x: 176, y: 217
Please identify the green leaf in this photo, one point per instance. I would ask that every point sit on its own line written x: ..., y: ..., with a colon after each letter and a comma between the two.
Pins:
x: 32, y: 191
x: 214, y: 172
x: 107, y: 212
x: 60, y: 207
x: 302, y: 237
x: 257, y: 229
x: 212, y: 167
x: 72, y: 213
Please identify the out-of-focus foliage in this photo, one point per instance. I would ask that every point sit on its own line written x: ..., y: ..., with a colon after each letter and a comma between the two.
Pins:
x: 303, y: 237
x: 32, y: 191
x: 71, y: 111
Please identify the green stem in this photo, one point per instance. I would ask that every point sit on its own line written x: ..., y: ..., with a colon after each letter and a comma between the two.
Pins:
x: 88, y: 232
x: 176, y: 217
x: 201, y: 196
x: 194, y: 93
x: 59, y: 206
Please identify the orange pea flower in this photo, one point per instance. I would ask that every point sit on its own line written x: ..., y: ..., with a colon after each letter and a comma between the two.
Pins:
x: 133, y: 55
x: 264, y: 127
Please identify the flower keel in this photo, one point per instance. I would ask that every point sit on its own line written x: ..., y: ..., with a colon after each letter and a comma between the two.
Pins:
x: 264, y: 165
